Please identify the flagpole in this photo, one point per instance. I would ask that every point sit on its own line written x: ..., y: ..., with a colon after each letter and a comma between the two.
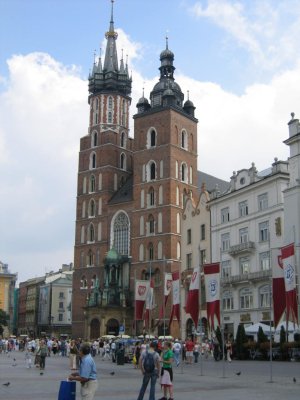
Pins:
x: 135, y: 321
x: 150, y: 306
x: 271, y: 344
x: 200, y: 313
x: 221, y: 313
x: 164, y: 300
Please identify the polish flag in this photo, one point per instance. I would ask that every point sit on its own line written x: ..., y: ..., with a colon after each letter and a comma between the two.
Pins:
x: 192, y: 303
x: 289, y: 268
x: 212, y: 291
x: 141, y: 292
x: 149, y: 303
x: 278, y: 287
x: 176, y: 297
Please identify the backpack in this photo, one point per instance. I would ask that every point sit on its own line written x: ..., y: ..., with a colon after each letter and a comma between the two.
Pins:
x: 148, y: 363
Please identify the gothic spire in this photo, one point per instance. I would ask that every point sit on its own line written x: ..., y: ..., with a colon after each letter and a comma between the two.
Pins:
x: 111, y: 57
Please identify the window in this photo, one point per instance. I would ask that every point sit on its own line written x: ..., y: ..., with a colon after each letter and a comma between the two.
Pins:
x: 91, y: 233
x: 92, y: 184
x: 225, y: 241
x: 202, y: 257
x: 61, y: 305
x: 246, y: 298
x: 184, y: 139
x: 263, y: 231
x: 202, y: 232
x: 189, y: 261
x: 90, y: 258
x: 110, y: 103
x: 244, y: 265
x: 243, y: 234
x: 227, y: 300
x: 123, y: 139
x: 83, y: 282
x: 61, y: 295
x: 265, y: 296
x: 225, y: 215
x: 264, y: 261
x: 151, y: 224
x: 189, y: 236
x: 60, y: 317
x: 109, y: 117
x: 262, y: 201
x: 183, y: 172
x: 152, y: 171
x: 151, y: 197
x: 151, y: 251
x: 153, y: 138
x: 93, y: 160
x: 94, y: 139
x: 243, y: 208
x: 123, y: 161
x: 92, y: 208
x: 82, y: 259
x: 121, y: 233
x: 226, y: 269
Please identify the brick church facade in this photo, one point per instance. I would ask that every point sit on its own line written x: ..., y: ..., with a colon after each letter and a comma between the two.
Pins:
x: 130, y: 195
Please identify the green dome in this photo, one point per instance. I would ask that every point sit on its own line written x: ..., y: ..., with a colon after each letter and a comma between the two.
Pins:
x: 112, y: 256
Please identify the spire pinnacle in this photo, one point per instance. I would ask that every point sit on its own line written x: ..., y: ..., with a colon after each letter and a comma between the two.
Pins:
x: 167, y: 41
x: 188, y: 94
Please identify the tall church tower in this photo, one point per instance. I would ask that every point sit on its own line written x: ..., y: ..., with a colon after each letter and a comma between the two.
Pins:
x: 165, y: 175
x: 105, y: 164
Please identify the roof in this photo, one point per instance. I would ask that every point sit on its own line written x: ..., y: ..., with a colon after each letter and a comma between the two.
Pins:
x: 124, y: 194
x: 211, y: 182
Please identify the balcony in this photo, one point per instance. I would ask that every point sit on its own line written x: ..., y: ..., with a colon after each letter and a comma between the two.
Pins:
x: 240, y: 248
x: 250, y: 277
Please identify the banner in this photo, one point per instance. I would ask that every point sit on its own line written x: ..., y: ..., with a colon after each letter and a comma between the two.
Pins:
x: 167, y: 291
x: 149, y: 304
x: 278, y: 287
x: 176, y: 297
x: 288, y: 261
x: 212, y: 290
x: 141, y: 291
x: 192, y: 303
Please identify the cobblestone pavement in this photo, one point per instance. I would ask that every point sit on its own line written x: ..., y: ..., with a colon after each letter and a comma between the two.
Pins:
x: 207, y: 379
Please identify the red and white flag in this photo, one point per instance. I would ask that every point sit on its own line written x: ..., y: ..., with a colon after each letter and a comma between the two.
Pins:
x: 288, y: 261
x: 149, y: 303
x: 141, y: 291
x: 212, y: 291
x: 176, y: 297
x: 278, y: 287
x: 192, y: 303
x: 167, y: 291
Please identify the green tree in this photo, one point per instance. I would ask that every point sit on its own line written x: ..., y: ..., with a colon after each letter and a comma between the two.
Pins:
x: 261, y: 337
x: 240, y: 340
x: 4, y: 317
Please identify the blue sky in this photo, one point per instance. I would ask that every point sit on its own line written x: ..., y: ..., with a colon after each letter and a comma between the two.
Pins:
x: 240, y: 61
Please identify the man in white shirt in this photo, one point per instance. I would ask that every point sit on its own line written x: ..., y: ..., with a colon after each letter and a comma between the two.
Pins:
x: 177, y: 351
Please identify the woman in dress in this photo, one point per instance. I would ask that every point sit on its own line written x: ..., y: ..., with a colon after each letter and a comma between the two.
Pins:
x: 73, y: 355
x: 166, y: 380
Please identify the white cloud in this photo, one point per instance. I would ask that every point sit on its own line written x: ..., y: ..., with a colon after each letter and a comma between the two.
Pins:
x: 43, y: 114
x: 268, y: 31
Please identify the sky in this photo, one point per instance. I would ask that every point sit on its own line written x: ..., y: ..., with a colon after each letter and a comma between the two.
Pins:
x: 239, y: 60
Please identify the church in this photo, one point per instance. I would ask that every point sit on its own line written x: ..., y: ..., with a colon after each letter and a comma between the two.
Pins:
x: 131, y: 193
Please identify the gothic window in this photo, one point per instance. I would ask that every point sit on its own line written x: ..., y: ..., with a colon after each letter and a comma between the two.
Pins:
x: 121, y: 233
x: 152, y: 171
x: 184, y: 140
x: 109, y: 117
x: 94, y: 139
x: 150, y: 251
x: 151, y: 138
x: 151, y: 224
x: 92, y: 208
x: 151, y: 197
x: 91, y: 233
x: 123, y: 139
x: 183, y: 172
x: 92, y: 183
x: 110, y: 103
x: 90, y: 258
x: 123, y: 161
x: 93, y: 161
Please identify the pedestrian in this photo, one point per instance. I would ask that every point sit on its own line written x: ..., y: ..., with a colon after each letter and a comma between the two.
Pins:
x: 73, y: 355
x: 87, y: 375
x: 177, y: 351
x: 189, y: 345
x: 166, y: 380
x: 228, y: 350
x: 149, y: 363
x: 42, y: 352
x: 196, y: 352
x: 137, y: 353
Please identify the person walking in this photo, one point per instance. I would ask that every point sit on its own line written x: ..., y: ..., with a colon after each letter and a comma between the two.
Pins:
x: 87, y: 375
x: 189, y: 345
x: 228, y: 350
x: 42, y: 352
x: 177, y: 351
x: 149, y: 363
x: 166, y: 380
x: 73, y: 355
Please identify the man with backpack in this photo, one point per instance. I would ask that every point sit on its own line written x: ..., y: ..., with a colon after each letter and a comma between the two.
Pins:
x: 149, y: 364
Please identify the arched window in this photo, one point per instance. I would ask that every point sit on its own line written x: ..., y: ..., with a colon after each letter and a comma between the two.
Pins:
x: 90, y: 258
x: 184, y: 139
x: 94, y: 139
x: 123, y: 161
x: 92, y: 184
x: 91, y: 233
x: 110, y: 103
x: 120, y: 236
x: 123, y: 139
x: 92, y: 208
x: 246, y: 298
x: 141, y: 252
x: 93, y: 161
x: 151, y: 138
x: 150, y: 251
x: 159, y: 251
x: 152, y: 171
x: 109, y: 117
x: 264, y: 296
x: 151, y: 224
x: 151, y: 197
x: 183, y: 172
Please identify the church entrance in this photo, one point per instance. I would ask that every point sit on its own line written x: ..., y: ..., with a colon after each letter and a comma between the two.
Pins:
x: 95, y: 329
x: 112, y: 327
